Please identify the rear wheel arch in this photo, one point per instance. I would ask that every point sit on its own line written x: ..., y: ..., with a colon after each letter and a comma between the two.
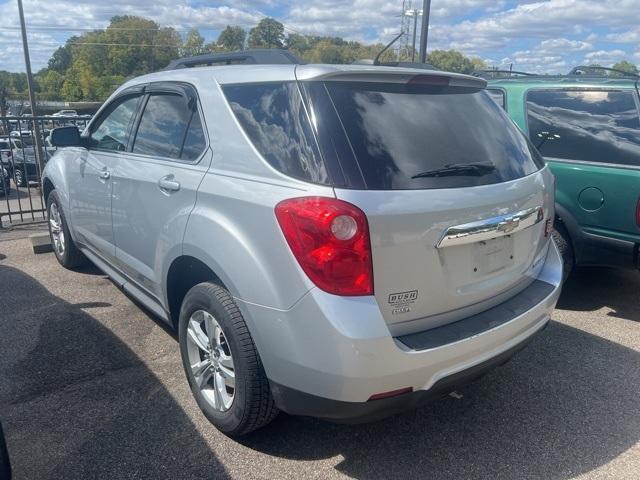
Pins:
x: 566, y: 221
x: 184, y: 273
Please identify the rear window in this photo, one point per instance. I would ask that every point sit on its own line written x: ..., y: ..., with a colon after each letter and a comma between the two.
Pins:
x: 383, y: 136
x: 421, y: 137
x: 588, y: 125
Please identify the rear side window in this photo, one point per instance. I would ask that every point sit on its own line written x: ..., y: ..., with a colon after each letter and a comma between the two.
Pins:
x: 273, y: 117
x: 588, y: 125
x: 166, y: 124
x: 408, y: 136
x: 4, y: 146
x: 497, y: 95
x: 111, y: 132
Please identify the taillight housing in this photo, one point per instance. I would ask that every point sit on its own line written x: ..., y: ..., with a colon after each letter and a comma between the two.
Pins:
x: 330, y: 240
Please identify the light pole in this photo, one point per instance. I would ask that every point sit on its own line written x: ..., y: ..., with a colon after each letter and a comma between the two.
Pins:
x: 424, y: 31
x: 30, y: 85
x: 415, y: 14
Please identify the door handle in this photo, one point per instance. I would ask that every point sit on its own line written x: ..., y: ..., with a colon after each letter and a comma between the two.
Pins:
x: 105, y: 174
x: 168, y: 184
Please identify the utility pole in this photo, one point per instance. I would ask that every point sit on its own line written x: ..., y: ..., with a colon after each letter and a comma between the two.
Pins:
x: 30, y: 86
x: 415, y: 14
x: 424, y: 32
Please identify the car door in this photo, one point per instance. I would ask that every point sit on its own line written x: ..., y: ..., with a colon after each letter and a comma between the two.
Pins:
x: 154, y: 189
x: 90, y: 184
x: 591, y: 139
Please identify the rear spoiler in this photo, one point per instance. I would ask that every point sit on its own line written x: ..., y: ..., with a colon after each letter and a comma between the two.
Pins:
x: 388, y: 75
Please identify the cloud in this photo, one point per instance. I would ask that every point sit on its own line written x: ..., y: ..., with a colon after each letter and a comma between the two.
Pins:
x: 605, y: 57
x: 540, y: 35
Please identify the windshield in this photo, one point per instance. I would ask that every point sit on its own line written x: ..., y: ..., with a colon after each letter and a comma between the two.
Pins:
x: 422, y: 136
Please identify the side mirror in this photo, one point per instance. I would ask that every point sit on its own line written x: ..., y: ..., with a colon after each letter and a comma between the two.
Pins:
x: 66, y: 137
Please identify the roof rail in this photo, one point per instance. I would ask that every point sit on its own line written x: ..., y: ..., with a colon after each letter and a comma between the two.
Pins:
x: 262, y: 56
x: 591, y: 70
x: 491, y: 73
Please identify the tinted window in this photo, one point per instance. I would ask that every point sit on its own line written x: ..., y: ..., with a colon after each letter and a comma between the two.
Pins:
x: 4, y: 146
x: 112, y: 130
x: 163, y: 126
x: 496, y: 95
x: 194, y: 142
x: 274, y: 118
x: 595, y: 126
x: 419, y: 136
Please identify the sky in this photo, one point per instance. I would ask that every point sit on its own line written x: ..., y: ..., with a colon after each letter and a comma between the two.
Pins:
x: 539, y: 36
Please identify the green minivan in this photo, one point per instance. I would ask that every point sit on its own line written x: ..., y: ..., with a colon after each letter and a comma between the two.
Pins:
x: 587, y: 127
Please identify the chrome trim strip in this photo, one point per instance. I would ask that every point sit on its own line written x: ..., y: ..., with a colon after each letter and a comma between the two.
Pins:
x: 491, y: 228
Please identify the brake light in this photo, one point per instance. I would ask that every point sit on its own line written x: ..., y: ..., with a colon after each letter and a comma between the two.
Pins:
x: 440, y: 80
x: 330, y: 240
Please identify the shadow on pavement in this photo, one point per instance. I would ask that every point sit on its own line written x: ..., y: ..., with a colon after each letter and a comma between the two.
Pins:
x: 565, y: 405
x: 76, y: 402
x: 584, y: 292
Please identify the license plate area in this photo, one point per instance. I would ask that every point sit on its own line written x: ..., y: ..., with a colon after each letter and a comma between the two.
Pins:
x: 490, y: 256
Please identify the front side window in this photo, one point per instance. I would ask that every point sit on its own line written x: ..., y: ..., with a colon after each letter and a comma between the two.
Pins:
x: 168, y: 124
x: 112, y: 130
x: 273, y: 117
x: 588, y: 125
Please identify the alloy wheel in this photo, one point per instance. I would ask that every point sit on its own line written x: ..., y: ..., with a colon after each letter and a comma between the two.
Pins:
x: 210, y: 360
x: 55, y: 226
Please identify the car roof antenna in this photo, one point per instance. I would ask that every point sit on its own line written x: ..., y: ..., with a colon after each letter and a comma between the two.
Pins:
x: 376, y: 61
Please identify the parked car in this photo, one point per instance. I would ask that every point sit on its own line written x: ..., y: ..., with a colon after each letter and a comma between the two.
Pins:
x: 5, y: 182
x: 24, y: 166
x: 65, y: 113
x: 587, y: 127
x: 340, y: 241
x: 6, y: 154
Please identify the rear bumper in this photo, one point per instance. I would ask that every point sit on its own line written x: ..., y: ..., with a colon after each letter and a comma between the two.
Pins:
x: 296, y: 402
x: 328, y: 355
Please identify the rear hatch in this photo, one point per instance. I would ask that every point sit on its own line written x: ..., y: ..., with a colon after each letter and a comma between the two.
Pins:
x: 456, y: 198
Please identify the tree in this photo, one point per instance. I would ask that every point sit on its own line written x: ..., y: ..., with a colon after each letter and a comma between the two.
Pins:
x: 269, y: 33
x: 626, y: 66
x: 71, y: 89
x: 450, y: 61
x: 50, y: 83
x: 231, y: 38
x: 194, y: 44
x: 61, y: 58
x: 299, y: 44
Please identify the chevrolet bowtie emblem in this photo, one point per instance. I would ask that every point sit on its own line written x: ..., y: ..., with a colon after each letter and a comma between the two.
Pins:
x: 509, y: 225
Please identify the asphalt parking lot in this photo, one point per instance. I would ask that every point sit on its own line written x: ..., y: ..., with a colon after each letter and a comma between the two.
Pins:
x: 92, y: 387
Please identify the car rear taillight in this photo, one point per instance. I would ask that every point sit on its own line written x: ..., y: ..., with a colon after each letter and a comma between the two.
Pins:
x: 330, y: 240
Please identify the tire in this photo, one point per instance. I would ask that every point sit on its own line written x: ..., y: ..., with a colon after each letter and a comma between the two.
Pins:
x: 66, y: 250
x: 252, y: 405
x: 563, y: 242
x: 5, y: 465
x: 19, y: 178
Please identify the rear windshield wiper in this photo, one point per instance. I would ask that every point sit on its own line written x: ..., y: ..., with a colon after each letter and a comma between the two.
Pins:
x: 468, y: 169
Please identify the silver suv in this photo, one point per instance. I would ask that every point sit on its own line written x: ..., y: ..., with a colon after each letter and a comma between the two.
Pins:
x: 340, y: 241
